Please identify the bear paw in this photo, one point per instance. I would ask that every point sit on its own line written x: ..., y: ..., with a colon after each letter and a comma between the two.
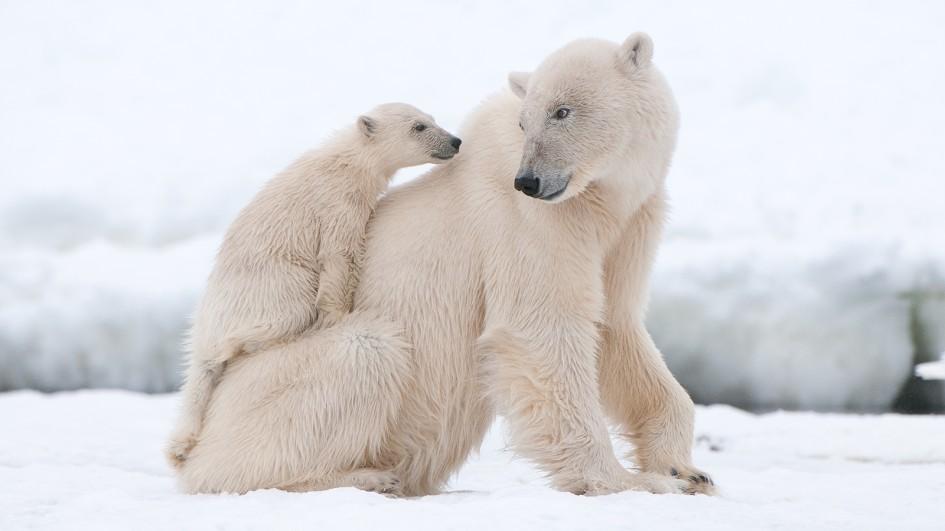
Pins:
x: 656, y: 484
x: 640, y: 482
x: 697, y: 481
x: 379, y: 481
x: 178, y: 449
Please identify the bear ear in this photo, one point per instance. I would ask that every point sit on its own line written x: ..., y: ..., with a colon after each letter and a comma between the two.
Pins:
x: 518, y: 82
x: 637, y: 50
x: 367, y: 126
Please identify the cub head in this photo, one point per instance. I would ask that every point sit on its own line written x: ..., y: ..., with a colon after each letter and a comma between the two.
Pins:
x: 585, y: 110
x: 403, y: 136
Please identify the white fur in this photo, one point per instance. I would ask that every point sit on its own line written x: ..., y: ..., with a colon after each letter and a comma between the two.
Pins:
x: 290, y: 260
x: 478, y: 299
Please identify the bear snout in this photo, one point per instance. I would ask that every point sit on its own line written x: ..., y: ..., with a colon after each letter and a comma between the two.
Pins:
x: 527, y: 183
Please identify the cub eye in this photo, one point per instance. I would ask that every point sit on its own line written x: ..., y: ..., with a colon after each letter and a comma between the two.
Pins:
x: 562, y: 113
x: 419, y: 127
x: 520, y: 126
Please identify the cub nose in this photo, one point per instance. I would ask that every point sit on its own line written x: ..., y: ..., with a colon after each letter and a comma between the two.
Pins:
x: 527, y: 183
x: 455, y: 142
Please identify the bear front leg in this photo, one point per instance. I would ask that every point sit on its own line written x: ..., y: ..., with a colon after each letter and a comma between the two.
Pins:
x: 549, y: 398
x: 637, y: 389
x: 639, y: 392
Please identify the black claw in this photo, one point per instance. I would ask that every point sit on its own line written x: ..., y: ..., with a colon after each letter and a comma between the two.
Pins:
x: 673, y: 472
x: 693, y: 479
x: 705, y: 479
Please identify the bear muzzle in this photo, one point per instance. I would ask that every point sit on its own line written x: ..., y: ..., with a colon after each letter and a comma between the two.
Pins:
x: 545, y: 188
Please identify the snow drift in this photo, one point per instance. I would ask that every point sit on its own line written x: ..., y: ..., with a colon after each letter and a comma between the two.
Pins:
x: 804, y: 264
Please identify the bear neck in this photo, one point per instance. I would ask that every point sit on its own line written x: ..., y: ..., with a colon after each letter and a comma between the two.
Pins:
x: 368, y: 171
x: 600, y: 213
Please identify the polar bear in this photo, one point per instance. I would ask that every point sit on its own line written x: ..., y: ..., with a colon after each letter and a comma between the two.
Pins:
x: 512, y: 281
x: 290, y: 259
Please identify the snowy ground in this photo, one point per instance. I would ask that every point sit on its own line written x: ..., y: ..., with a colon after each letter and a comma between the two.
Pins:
x: 804, y: 265
x: 91, y: 460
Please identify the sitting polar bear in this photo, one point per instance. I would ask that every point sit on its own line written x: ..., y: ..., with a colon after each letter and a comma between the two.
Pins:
x: 511, y: 280
x: 289, y: 261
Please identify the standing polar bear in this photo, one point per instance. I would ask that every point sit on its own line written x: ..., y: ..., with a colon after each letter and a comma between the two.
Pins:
x: 477, y: 299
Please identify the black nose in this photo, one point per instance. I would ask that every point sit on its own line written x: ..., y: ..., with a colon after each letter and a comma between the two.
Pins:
x: 455, y: 142
x: 527, y: 183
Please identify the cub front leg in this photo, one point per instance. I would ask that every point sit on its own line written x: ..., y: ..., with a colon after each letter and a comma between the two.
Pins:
x: 549, y: 396
x: 336, y: 283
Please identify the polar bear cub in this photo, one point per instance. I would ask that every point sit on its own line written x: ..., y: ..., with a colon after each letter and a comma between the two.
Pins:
x: 290, y: 260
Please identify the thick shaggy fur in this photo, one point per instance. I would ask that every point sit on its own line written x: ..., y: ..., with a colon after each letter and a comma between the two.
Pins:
x: 476, y: 299
x: 290, y: 260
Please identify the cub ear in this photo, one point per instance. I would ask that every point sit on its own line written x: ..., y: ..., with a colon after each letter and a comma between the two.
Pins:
x: 637, y: 50
x: 367, y: 126
x: 518, y: 82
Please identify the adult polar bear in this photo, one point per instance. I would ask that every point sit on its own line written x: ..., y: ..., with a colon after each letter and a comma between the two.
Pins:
x: 476, y: 298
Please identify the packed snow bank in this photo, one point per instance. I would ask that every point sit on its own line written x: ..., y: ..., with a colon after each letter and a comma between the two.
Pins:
x: 100, y: 315
x: 794, y: 325
x: 803, y: 263
x: 92, y: 460
x: 932, y: 370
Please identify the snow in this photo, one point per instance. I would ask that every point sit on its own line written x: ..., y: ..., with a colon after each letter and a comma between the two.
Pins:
x: 103, y: 314
x: 92, y: 460
x: 932, y: 370
x: 803, y: 267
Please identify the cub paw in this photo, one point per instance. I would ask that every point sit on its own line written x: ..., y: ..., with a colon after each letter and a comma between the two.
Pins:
x: 329, y: 318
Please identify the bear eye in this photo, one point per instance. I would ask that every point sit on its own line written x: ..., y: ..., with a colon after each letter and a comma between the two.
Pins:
x: 520, y: 126
x: 562, y: 113
x: 419, y: 127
